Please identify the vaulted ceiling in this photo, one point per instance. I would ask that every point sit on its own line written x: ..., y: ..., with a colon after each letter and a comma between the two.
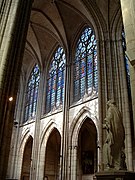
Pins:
x: 54, y: 22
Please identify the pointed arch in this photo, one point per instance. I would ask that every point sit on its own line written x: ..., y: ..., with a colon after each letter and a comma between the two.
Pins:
x: 42, y: 146
x: 85, y: 114
x: 47, y: 129
x: 24, y: 139
x: 27, y: 158
x: 77, y: 122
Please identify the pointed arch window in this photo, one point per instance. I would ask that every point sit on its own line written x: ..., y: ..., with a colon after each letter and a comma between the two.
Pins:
x: 55, y: 81
x: 85, y: 65
x: 32, y: 93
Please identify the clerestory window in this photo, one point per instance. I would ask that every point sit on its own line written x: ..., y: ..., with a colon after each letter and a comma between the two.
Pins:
x: 85, y: 65
x: 32, y: 93
x: 55, y: 81
x: 125, y: 57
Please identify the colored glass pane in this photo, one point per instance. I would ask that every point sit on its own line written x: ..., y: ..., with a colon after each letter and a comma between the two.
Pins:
x: 55, y: 81
x: 125, y: 57
x: 85, y: 64
x: 32, y: 93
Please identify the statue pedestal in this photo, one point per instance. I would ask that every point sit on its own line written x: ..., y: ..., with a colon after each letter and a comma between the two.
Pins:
x: 115, y: 175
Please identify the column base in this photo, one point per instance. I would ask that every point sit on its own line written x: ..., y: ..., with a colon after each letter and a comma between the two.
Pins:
x: 115, y: 175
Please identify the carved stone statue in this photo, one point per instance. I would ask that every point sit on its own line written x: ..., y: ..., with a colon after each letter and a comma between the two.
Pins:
x: 114, y: 156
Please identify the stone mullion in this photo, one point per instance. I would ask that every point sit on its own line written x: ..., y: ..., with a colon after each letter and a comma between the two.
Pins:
x: 86, y: 70
x: 80, y: 71
x: 93, y: 78
x: 11, y: 57
x: 61, y: 100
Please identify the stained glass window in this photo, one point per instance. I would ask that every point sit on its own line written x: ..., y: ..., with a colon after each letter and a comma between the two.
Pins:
x: 55, y: 81
x: 32, y: 93
x: 125, y: 57
x: 85, y: 65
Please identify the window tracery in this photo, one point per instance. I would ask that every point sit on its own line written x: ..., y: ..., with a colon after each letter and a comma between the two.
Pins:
x: 55, y: 81
x: 32, y: 93
x: 85, y: 65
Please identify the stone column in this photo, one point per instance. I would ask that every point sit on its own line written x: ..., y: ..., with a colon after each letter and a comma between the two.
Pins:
x: 102, y: 80
x: 132, y: 82
x: 128, y: 14
x: 14, y: 17
x: 13, y: 156
x: 114, y: 79
x: 122, y: 79
x: 74, y: 163
x: 35, y: 148
x: 65, y: 132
